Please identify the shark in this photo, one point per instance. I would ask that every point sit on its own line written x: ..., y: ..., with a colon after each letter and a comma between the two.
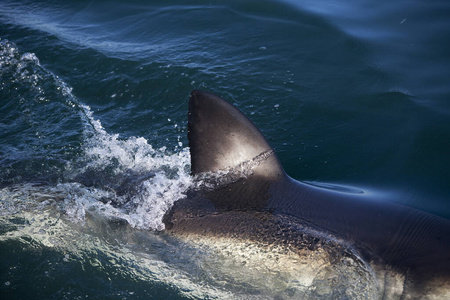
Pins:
x: 319, y: 242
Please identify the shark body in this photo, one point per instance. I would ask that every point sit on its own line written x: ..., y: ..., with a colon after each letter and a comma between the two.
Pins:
x: 244, y: 197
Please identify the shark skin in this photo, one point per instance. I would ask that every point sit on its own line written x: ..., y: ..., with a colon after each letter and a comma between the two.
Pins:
x: 244, y: 195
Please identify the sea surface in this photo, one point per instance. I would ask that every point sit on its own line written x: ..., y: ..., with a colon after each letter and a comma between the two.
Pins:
x: 93, y: 117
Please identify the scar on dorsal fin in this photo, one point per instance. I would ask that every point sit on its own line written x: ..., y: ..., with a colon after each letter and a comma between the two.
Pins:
x: 221, y: 137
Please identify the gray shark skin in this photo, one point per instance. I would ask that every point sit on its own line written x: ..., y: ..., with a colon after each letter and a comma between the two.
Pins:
x: 248, y: 197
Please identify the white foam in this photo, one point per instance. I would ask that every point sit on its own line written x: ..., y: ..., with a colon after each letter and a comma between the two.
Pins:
x: 153, y: 196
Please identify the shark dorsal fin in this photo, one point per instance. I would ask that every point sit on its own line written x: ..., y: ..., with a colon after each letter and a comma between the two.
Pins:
x: 221, y: 137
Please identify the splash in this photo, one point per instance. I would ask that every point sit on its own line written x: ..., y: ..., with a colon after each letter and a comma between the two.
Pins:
x: 115, y: 177
x: 131, y: 254
x: 141, y: 182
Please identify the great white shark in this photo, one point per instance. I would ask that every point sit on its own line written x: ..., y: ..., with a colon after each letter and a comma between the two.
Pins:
x: 244, y: 197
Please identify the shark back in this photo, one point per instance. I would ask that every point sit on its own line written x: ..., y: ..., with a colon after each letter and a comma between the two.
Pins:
x: 250, y: 198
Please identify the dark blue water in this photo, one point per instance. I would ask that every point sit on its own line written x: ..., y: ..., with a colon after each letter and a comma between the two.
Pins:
x: 93, y: 105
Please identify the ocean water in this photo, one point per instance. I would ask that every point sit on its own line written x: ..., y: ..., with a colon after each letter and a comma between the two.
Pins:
x: 93, y: 109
